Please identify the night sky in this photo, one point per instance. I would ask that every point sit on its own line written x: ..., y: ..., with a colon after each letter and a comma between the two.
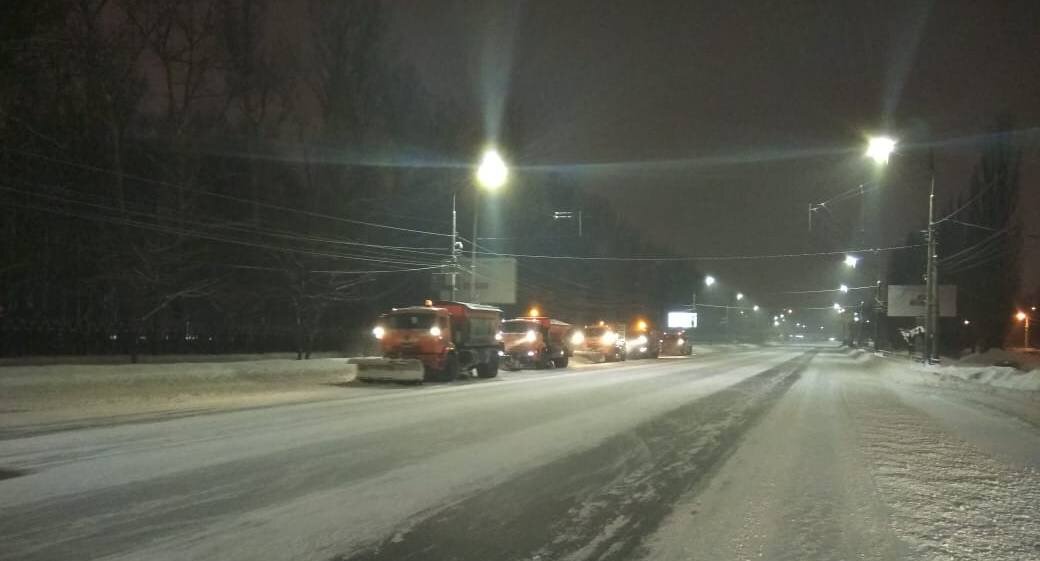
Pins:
x: 715, y: 124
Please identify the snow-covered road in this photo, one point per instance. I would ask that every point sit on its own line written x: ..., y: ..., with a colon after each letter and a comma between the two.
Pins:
x: 779, y: 453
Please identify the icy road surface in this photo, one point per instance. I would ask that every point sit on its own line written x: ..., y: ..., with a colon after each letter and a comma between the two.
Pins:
x: 781, y: 453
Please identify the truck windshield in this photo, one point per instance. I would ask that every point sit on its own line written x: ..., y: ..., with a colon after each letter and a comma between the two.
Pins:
x: 595, y: 331
x: 418, y: 320
x: 518, y: 326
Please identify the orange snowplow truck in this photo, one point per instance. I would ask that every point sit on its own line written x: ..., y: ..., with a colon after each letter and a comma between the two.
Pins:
x: 536, y: 341
x: 435, y: 341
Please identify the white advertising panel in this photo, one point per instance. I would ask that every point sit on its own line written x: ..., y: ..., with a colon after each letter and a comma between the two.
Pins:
x: 682, y: 320
x: 496, y: 281
x: 908, y: 300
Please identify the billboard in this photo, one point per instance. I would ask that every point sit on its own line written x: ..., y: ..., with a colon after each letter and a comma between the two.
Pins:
x: 908, y: 300
x: 496, y: 281
x: 682, y: 320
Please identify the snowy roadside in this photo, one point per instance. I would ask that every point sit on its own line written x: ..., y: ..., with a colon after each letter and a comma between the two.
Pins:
x: 63, y: 394
x: 976, y: 370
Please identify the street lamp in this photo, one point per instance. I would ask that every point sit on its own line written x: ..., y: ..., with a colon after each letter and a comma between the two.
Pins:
x: 754, y: 308
x: 709, y: 280
x: 1024, y: 318
x: 740, y: 296
x: 880, y: 148
x: 491, y: 175
x: 851, y: 261
x: 844, y: 288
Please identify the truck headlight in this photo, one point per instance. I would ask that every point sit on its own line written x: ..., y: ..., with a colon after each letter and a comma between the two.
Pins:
x: 378, y: 331
x: 641, y: 340
x: 435, y: 331
x: 531, y: 336
x: 609, y: 337
x: 578, y: 338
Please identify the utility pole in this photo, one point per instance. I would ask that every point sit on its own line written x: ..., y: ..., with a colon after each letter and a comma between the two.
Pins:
x: 473, y: 250
x: 932, y: 280
x: 454, y: 249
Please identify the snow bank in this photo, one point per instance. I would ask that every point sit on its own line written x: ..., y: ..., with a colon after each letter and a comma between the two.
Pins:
x: 150, y: 359
x: 1021, y: 358
x: 961, y: 372
x: 63, y: 386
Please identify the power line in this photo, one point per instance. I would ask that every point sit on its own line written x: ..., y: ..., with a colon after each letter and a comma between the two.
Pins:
x: 704, y: 258
x: 187, y: 233
x: 272, y: 233
x: 222, y: 195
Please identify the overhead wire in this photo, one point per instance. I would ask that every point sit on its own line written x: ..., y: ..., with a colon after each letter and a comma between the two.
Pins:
x: 221, y: 195
x: 209, y: 225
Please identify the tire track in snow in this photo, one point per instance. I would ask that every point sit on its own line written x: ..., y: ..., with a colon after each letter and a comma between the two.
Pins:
x: 601, y: 503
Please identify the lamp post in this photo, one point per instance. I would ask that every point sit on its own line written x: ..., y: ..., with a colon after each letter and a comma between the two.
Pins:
x: 1024, y: 318
x: 492, y: 174
x: 880, y: 149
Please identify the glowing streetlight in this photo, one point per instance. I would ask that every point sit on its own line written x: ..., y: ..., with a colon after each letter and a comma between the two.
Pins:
x: 740, y: 296
x: 492, y: 172
x: 754, y: 308
x: 844, y: 288
x: 709, y: 280
x: 837, y: 306
x: 851, y: 261
x: 1024, y: 318
x: 880, y: 148
x: 534, y: 312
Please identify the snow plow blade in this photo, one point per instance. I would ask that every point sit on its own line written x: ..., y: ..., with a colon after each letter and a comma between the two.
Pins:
x: 378, y: 369
x: 590, y: 356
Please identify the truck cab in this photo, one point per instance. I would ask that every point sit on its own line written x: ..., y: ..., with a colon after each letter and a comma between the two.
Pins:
x: 446, y: 337
x: 606, y: 340
x: 643, y: 341
x: 537, y: 341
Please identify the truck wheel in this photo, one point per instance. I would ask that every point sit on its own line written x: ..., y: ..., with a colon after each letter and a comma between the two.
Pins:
x: 562, y: 362
x: 488, y: 369
x: 451, y: 369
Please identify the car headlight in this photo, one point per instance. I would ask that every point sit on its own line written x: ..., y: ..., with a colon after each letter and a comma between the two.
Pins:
x: 641, y: 340
x: 531, y: 353
x: 435, y: 331
x: 498, y: 336
x: 379, y: 331
x: 609, y: 337
x: 577, y: 338
x: 679, y: 341
x: 531, y: 336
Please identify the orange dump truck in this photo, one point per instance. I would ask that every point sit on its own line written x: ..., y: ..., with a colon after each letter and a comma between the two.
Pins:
x: 436, y: 341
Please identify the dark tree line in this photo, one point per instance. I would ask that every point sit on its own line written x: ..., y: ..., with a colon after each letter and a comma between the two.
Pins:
x: 242, y: 176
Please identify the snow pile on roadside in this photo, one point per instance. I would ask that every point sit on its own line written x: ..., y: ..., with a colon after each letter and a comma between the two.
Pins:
x: 28, y: 388
x: 1025, y: 360
x: 996, y: 376
x: 1004, y: 377
x: 150, y: 359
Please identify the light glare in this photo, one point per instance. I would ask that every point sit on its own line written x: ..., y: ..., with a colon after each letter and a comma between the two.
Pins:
x: 492, y: 172
x: 880, y: 148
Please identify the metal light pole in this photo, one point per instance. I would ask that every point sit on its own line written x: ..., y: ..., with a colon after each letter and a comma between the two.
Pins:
x: 879, y: 149
x: 454, y: 249
x: 1024, y: 318
x: 932, y: 289
x: 491, y: 174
